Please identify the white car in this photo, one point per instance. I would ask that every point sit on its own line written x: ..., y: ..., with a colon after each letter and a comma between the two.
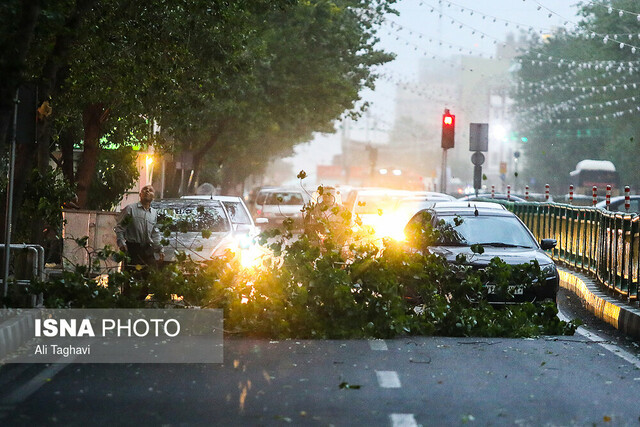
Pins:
x: 375, y: 208
x: 237, y: 210
x: 277, y: 204
x: 207, y: 227
x: 201, y: 229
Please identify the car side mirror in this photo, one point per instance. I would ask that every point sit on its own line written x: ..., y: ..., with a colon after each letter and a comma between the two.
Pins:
x: 259, y: 221
x: 547, y: 244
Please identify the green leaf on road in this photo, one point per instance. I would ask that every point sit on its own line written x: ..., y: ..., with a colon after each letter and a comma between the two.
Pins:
x: 346, y: 385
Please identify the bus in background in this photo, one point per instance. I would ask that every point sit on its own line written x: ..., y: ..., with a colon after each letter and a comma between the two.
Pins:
x: 595, y: 172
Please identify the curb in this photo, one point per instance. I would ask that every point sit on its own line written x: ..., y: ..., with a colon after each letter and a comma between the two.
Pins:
x: 616, y: 313
x: 15, y: 331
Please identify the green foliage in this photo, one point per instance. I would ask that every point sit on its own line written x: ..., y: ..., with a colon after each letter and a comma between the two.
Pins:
x: 329, y: 282
x: 574, y: 96
x: 116, y: 173
x: 42, y: 204
x: 305, y: 65
x: 237, y: 82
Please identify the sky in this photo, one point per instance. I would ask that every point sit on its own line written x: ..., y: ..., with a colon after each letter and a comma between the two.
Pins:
x: 466, y: 27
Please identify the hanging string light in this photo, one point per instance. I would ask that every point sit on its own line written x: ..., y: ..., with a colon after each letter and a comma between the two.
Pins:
x: 610, y: 9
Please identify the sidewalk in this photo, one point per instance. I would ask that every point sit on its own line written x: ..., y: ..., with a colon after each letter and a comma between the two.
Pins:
x: 615, y: 312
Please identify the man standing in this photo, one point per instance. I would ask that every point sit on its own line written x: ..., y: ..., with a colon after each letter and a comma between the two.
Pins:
x: 137, y: 231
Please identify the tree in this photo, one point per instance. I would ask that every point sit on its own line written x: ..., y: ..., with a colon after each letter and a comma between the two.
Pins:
x: 574, y: 95
x: 308, y: 66
x: 222, y: 78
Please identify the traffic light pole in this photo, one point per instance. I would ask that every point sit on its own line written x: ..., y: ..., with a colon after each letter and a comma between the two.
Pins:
x: 9, y: 204
x: 443, y: 174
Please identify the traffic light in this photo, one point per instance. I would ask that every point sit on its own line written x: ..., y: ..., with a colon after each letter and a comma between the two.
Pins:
x: 448, y: 129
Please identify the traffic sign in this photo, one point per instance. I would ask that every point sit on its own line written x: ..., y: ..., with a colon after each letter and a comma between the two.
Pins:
x: 479, y: 137
x: 503, y: 167
x: 477, y: 158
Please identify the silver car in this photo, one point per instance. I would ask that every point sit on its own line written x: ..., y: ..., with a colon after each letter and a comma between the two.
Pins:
x: 277, y: 204
x: 201, y: 229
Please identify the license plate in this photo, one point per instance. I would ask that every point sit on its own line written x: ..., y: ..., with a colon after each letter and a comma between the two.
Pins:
x: 513, y: 289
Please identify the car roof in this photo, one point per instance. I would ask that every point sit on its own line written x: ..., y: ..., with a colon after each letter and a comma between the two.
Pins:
x: 285, y: 190
x: 384, y: 192
x: 433, y: 197
x: 498, y: 196
x: 211, y: 197
x: 616, y: 200
x: 177, y: 203
x: 469, y: 208
x: 432, y: 194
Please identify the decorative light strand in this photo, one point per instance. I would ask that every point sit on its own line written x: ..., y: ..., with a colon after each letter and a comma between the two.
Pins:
x: 610, y: 9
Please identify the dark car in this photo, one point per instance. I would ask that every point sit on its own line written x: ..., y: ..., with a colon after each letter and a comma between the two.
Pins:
x: 500, y: 233
x: 617, y: 204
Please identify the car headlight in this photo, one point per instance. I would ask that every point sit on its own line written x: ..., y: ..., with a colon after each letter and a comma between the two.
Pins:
x: 244, y: 241
x: 549, y: 270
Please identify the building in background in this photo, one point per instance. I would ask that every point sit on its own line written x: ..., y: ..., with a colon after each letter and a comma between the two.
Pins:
x: 475, y: 90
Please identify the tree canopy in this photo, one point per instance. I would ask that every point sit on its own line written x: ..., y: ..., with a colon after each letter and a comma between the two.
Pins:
x: 576, y: 95
x: 235, y: 83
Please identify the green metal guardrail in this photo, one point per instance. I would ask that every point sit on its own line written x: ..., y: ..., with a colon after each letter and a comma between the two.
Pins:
x: 602, y: 244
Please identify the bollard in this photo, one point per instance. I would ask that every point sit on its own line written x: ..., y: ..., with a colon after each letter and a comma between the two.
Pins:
x: 595, y: 195
x: 546, y: 192
x: 608, y: 196
x: 571, y: 194
x: 526, y: 193
x: 493, y: 191
x: 508, y: 193
x: 627, y: 198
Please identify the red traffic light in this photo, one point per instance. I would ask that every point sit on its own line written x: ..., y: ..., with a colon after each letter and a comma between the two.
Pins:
x: 448, y: 129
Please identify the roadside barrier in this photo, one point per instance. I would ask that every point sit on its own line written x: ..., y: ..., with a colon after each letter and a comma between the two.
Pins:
x: 604, y: 245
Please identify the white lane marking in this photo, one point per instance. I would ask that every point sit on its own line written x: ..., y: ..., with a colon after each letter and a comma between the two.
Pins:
x: 378, y: 345
x: 403, y: 420
x: 388, y: 379
x: 23, y: 392
x: 610, y: 347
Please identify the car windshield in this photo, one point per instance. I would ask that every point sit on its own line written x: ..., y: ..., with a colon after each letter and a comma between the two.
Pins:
x: 375, y: 204
x: 487, y: 230
x: 192, y: 218
x: 284, y: 198
x: 237, y: 212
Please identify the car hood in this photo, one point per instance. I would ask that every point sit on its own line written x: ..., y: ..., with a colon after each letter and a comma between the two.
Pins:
x: 511, y: 256
x: 197, y: 247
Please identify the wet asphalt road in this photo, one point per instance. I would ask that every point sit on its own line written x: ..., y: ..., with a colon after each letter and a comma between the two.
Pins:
x: 406, y: 381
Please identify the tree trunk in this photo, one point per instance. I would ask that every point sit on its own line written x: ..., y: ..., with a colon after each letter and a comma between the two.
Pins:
x: 230, y: 185
x: 93, y: 117
x: 15, y: 50
x: 199, y: 155
x: 66, y: 149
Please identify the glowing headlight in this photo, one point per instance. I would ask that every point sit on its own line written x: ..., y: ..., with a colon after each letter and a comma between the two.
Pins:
x: 387, y: 225
x: 244, y: 241
x: 253, y: 256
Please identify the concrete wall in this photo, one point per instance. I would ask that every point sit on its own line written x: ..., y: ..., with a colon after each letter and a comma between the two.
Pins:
x: 98, y: 226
